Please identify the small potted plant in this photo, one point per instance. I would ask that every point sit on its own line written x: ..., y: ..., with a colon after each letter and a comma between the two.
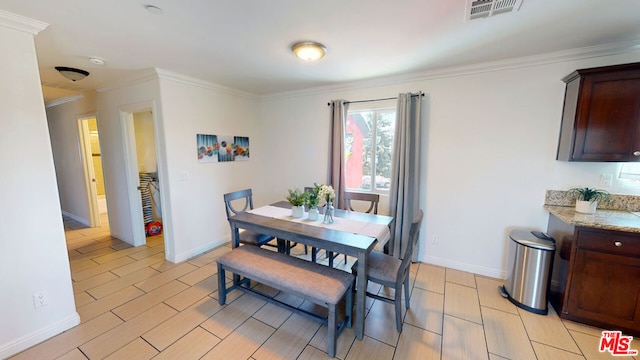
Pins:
x: 587, y: 198
x: 297, y: 200
x: 313, y: 198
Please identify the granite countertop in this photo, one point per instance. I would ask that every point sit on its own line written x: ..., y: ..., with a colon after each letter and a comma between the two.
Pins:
x: 602, y: 219
x: 614, y: 214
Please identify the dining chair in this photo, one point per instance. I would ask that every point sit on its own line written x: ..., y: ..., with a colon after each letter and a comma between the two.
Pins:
x: 364, y: 199
x: 390, y: 271
x: 241, y: 201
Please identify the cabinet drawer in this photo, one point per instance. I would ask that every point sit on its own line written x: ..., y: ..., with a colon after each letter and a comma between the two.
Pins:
x: 627, y: 245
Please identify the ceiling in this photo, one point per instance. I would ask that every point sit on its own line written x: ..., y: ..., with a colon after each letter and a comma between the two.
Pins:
x: 245, y: 45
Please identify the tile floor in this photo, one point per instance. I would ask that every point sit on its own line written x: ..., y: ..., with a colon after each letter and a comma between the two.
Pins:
x: 135, y: 305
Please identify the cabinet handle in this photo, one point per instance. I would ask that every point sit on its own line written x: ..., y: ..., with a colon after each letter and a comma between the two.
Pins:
x: 617, y: 243
x: 636, y: 153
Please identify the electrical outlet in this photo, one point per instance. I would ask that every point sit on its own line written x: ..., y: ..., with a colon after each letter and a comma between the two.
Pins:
x: 39, y: 299
x: 606, y: 180
x: 436, y: 240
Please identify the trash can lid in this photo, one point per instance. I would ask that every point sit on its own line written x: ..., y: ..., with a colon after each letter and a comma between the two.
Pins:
x: 533, y: 239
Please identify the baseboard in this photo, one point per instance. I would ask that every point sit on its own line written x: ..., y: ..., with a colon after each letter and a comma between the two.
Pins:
x: 38, y: 336
x: 186, y: 255
x: 82, y: 221
x: 480, y: 270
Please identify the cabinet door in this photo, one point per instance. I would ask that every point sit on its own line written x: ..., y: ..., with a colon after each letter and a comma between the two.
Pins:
x: 607, y: 117
x: 605, y: 290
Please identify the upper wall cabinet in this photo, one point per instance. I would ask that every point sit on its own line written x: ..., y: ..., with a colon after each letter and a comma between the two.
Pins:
x: 601, y: 116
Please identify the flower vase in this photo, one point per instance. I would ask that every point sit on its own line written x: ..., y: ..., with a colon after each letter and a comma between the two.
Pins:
x: 313, y: 214
x: 297, y: 211
x: 586, y: 207
x: 328, y: 213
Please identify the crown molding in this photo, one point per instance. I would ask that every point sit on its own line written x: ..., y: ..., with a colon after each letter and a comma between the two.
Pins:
x: 506, y: 64
x: 21, y: 23
x: 64, y: 100
x: 179, y: 78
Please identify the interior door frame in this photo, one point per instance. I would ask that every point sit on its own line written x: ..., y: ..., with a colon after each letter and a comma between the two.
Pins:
x: 88, y: 169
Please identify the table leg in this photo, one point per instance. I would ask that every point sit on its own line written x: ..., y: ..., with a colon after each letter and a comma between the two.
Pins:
x: 361, y: 294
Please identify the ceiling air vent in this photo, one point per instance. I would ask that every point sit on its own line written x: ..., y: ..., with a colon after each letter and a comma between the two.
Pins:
x: 484, y: 8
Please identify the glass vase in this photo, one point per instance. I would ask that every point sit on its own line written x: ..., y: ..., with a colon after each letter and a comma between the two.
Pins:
x: 328, y: 213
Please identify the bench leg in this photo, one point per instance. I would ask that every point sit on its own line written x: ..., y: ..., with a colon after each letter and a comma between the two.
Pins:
x: 222, y: 286
x: 348, y: 311
x: 331, y: 330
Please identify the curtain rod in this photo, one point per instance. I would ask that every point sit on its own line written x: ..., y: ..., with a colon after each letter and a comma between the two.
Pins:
x: 421, y: 94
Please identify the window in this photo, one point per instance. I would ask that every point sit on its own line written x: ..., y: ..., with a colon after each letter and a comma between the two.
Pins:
x: 368, y: 146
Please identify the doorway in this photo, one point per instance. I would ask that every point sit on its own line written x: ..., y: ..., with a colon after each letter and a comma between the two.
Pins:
x: 141, y: 161
x: 93, y: 170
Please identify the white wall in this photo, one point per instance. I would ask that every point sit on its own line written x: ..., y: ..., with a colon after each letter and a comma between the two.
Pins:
x: 33, y: 256
x: 145, y: 141
x: 196, y: 190
x: 65, y: 142
x: 143, y: 93
x: 488, y: 154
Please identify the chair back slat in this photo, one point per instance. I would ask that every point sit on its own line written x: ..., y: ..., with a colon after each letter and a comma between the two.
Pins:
x: 373, y: 200
x: 414, y: 234
x: 230, y: 200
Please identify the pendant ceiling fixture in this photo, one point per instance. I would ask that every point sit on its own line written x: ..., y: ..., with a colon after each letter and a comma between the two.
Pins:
x: 309, y: 50
x: 72, y: 74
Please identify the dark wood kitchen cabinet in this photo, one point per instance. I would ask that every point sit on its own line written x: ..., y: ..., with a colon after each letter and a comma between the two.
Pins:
x: 601, y: 115
x: 602, y: 284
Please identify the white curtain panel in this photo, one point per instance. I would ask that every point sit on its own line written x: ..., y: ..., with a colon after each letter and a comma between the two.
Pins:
x: 405, y: 172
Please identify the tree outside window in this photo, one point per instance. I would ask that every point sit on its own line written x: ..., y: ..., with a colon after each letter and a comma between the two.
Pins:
x: 368, y: 146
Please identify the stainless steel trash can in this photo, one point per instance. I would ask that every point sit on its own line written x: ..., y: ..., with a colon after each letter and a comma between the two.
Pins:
x: 530, y: 258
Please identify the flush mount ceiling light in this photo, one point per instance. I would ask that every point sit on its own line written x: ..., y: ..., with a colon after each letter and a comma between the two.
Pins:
x: 308, y: 50
x: 72, y: 74
x: 153, y: 9
x: 96, y: 60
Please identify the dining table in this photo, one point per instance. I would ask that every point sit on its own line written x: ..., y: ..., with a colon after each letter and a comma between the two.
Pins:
x: 351, y: 233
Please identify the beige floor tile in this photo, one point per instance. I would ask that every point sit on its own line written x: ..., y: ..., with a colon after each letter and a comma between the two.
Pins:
x: 272, y: 315
x: 548, y: 329
x: 496, y: 357
x: 370, y: 349
x: 107, y: 303
x: 547, y: 352
x: 82, y: 299
x: 196, y: 292
x: 121, y: 335
x: 419, y: 344
x: 110, y: 256
x: 74, y: 354
x: 70, y: 339
x: 583, y: 328
x: 460, y: 277
x: 462, y: 302
x: 199, y: 274
x: 242, y: 343
x: 289, y: 340
x: 149, y: 300
x: 138, y: 264
x: 506, y: 335
x: 225, y: 321
x: 343, y: 342
x: 430, y: 277
x: 148, y: 252
x: 121, y: 283
x: 193, y: 345
x: 163, y: 278
x: 102, y: 268
x: 426, y: 310
x: 90, y: 283
x: 165, y: 334
x: 135, y: 350
x: 490, y: 297
x: 380, y: 323
x: 210, y: 256
x: 311, y: 353
x: 84, y: 263
x: 463, y: 339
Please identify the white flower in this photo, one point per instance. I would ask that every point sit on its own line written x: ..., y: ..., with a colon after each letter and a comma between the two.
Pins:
x: 327, y: 192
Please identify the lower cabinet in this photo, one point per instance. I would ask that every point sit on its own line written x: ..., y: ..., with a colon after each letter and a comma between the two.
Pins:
x: 602, y: 282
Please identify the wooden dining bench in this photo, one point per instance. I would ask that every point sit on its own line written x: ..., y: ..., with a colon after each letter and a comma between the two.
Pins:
x: 316, y: 283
